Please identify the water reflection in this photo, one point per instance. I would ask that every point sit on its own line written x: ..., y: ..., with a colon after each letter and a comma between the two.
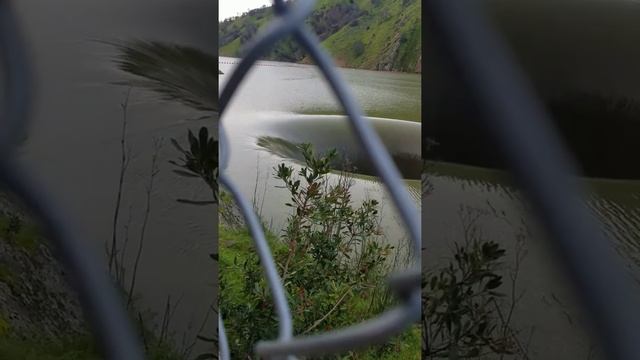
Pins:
x: 280, y: 105
x: 547, y: 303
x: 401, y: 138
x: 74, y: 140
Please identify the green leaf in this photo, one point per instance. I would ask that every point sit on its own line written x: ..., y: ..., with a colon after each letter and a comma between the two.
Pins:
x: 177, y: 145
x: 493, y: 283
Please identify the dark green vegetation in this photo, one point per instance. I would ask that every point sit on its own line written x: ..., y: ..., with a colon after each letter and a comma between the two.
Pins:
x: 40, y: 316
x: 470, y: 298
x: 359, y: 163
x: 601, y: 132
x: 36, y: 304
x: 582, y: 60
x: 200, y: 160
x: 23, y: 235
x: 188, y: 76
x: 459, y: 314
x: 82, y: 348
x: 367, y: 34
x: 175, y: 72
x: 331, y: 258
x: 58, y: 350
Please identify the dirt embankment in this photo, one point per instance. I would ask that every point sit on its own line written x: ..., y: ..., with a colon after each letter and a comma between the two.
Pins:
x: 35, y: 299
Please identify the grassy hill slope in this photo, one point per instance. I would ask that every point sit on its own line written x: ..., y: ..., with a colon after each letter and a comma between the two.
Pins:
x: 367, y: 34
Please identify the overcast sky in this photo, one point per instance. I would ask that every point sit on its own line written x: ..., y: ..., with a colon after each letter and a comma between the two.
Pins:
x: 229, y: 8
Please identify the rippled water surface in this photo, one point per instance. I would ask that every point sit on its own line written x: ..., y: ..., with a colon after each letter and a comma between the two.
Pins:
x: 73, y: 146
x: 548, y: 310
x: 281, y: 105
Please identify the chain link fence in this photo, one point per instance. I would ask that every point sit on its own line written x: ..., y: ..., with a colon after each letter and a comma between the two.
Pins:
x: 290, y: 21
x: 512, y: 115
x: 100, y: 300
x: 98, y: 296
x: 519, y: 126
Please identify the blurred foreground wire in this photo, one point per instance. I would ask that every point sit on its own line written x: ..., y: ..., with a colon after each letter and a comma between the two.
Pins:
x: 101, y: 302
x: 521, y: 128
x: 290, y: 21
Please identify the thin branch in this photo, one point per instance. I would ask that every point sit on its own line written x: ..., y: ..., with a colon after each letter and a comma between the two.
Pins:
x: 157, y: 144
x: 123, y: 168
x: 319, y: 321
x: 120, y: 278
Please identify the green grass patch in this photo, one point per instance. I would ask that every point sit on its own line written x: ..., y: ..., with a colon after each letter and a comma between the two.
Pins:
x: 78, y: 348
x: 362, y: 42
x: 331, y: 259
x: 24, y: 234
x: 231, y: 49
x: 237, y: 247
x: 390, y: 112
x: 26, y: 349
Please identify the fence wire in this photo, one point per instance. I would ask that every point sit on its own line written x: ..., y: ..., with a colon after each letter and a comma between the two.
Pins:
x: 519, y: 125
x: 290, y: 21
x: 512, y: 115
x: 100, y: 301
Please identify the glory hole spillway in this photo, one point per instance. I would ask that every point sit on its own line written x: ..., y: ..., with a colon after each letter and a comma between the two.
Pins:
x: 281, y: 105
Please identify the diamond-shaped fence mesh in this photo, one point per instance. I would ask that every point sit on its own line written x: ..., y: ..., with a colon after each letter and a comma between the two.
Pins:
x: 514, y: 119
x: 101, y: 302
x: 290, y: 21
x: 522, y: 130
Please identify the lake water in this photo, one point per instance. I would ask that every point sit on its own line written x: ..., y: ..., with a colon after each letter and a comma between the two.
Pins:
x: 73, y: 144
x: 548, y: 310
x: 566, y: 47
x: 73, y: 148
x: 282, y: 104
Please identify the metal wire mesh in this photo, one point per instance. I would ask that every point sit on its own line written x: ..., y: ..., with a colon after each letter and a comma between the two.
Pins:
x: 98, y: 296
x: 290, y: 21
x: 521, y: 128
x: 512, y: 115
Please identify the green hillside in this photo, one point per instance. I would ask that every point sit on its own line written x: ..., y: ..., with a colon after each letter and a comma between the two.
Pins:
x: 367, y: 34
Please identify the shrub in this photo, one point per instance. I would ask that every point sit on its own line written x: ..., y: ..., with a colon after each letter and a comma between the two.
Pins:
x: 459, y: 304
x: 200, y: 161
x: 328, y: 255
x: 358, y: 48
x: 14, y: 225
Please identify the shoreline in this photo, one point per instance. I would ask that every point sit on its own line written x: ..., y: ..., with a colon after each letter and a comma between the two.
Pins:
x: 307, y: 63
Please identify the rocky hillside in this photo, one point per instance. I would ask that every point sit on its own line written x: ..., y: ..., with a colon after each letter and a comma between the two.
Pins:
x: 368, y: 34
x: 35, y: 300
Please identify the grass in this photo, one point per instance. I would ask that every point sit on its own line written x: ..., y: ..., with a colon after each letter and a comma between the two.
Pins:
x: 375, y: 30
x: 80, y: 348
x: 27, y: 237
x: 236, y: 247
x: 28, y: 349
x: 378, y: 27
x: 174, y: 72
x: 231, y: 49
x: 399, y: 113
